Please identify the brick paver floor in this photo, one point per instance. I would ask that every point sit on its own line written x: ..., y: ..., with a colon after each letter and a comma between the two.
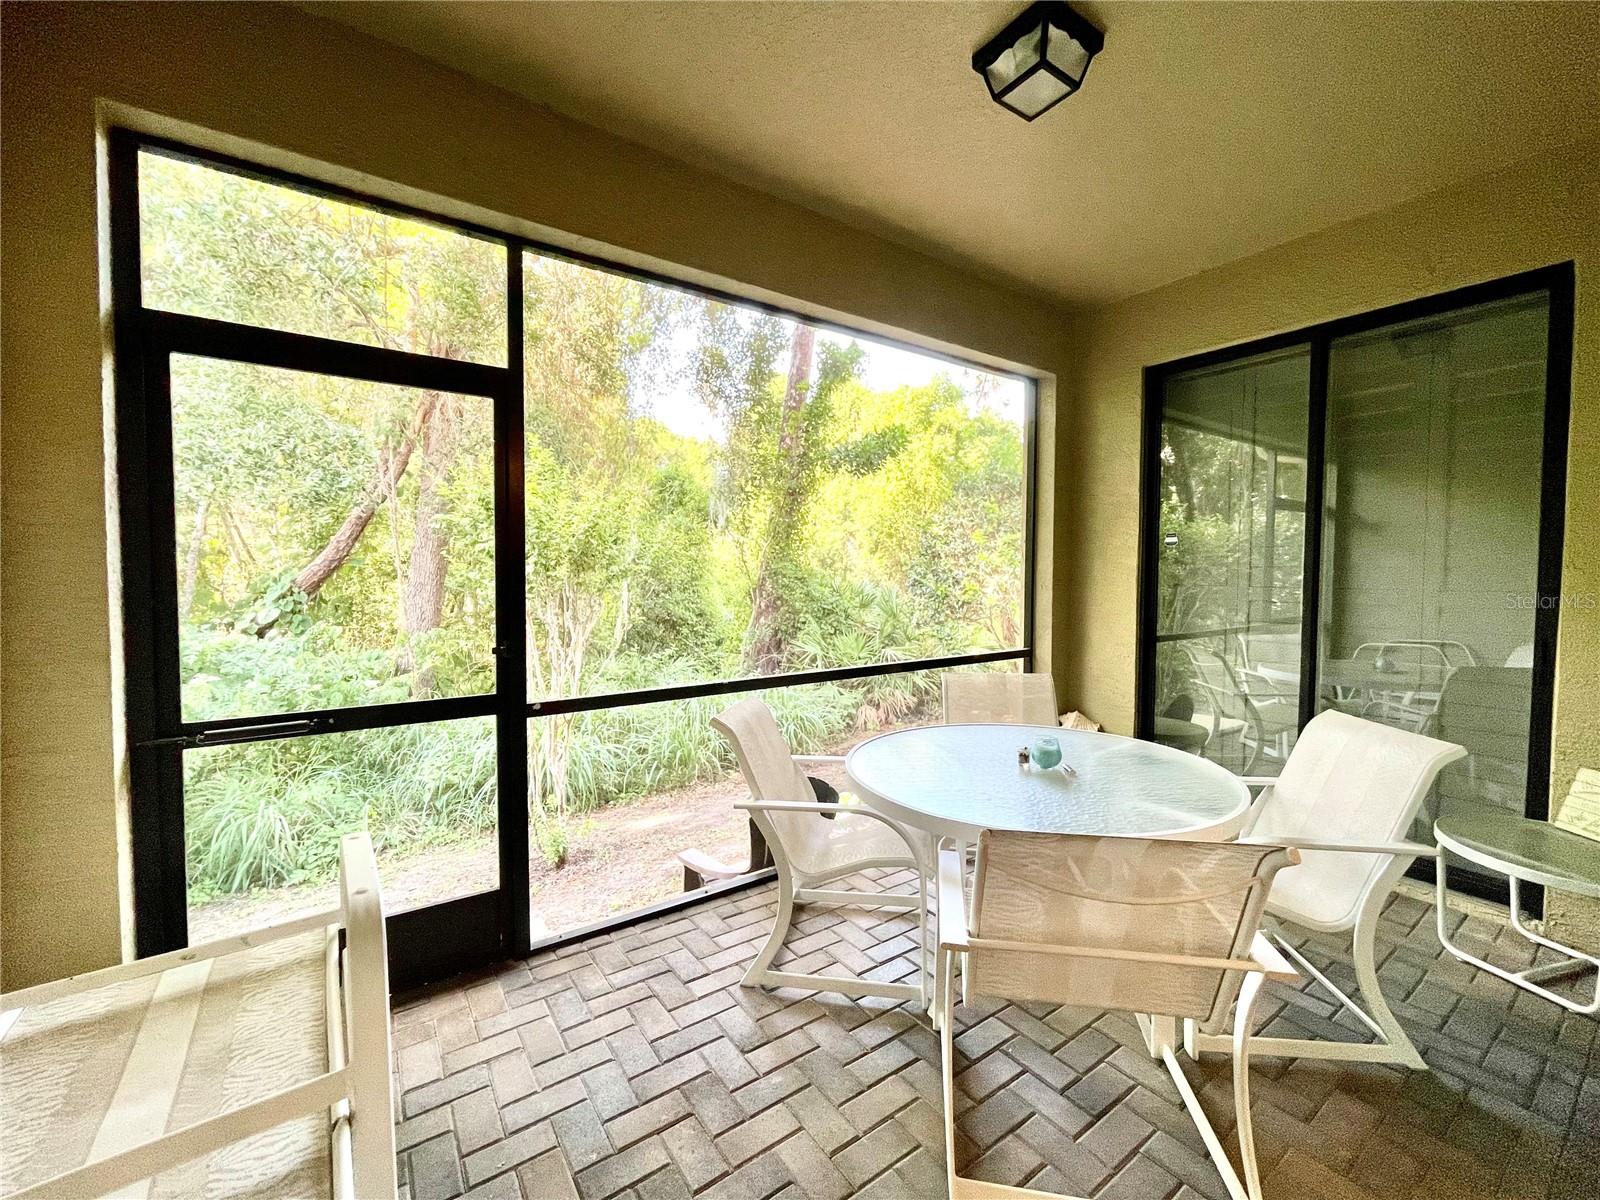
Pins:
x: 633, y: 1065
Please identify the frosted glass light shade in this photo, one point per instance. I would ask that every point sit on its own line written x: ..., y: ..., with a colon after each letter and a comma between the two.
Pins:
x: 1039, y: 59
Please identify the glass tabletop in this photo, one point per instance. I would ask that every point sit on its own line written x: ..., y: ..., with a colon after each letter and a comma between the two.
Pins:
x: 954, y: 780
x: 1530, y: 849
x: 1349, y: 672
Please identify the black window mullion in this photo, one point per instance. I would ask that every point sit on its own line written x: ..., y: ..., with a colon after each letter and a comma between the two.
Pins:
x: 1153, y: 391
x: 151, y: 632
x: 1030, y: 509
x: 1311, y: 531
x: 511, y: 677
x: 557, y: 705
x: 219, y: 730
x: 205, y: 337
x: 1552, y: 539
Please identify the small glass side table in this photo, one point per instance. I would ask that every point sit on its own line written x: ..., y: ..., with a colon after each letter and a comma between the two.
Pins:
x: 1531, y: 852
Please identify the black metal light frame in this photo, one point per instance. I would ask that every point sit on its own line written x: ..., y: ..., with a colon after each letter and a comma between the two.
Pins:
x: 1040, y: 15
x: 443, y: 938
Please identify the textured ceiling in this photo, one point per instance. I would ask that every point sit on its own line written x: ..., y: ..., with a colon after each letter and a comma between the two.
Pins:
x: 1204, y: 132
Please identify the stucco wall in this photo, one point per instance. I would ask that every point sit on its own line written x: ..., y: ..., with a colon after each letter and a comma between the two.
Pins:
x: 293, y: 90
x: 1543, y: 211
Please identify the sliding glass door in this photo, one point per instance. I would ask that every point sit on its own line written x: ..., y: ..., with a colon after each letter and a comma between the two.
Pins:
x: 1430, y: 533
x: 1365, y: 516
x: 1230, y: 560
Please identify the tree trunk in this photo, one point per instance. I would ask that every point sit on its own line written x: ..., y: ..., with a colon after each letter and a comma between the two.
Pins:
x: 422, y: 602
x: 391, y: 466
x: 191, y: 562
x: 765, y: 645
x: 1183, y: 481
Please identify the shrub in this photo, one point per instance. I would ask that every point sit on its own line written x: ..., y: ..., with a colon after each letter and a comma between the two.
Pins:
x: 269, y: 814
x: 621, y: 753
x: 265, y: 814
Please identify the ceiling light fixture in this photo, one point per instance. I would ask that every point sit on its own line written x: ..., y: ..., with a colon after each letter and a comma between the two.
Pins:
x: 1039, y: 59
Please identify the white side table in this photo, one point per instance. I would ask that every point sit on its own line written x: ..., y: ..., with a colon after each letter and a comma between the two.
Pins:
x: 1523, y: 851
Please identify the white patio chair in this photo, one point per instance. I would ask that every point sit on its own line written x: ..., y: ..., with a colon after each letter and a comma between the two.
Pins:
x: 1147, y: 926
x: 815, y: 844
x: 1262, y: 724
x: 1006, y: 697
x: 1413, y: 710
x: 1346, y: 799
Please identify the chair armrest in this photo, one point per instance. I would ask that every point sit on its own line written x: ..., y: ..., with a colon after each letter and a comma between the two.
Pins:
x: 952, y: 901
x: 1398, y: 849
x: 817, y: 758
x: 812, y: 806
x: 1269, y: 688
x: 840, y: 810
x: 708, y: 868
x: 1273, y: 964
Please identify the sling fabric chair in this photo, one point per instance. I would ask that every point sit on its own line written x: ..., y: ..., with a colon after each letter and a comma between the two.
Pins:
x: 815, y: 844
x: 1347, y: 798
x: 1139, y: 925
x: 999, y: 697
x: 1006, y: 697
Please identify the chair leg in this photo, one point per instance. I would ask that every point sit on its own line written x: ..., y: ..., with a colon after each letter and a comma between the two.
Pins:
x: 1244, y: 1018
x: 1202, y: 1123
x: 1365, y: 955
x: 923, y: 965
x: 961, y: 851
x: 1392, y: 1045
x: 760, y: 973
x: 947, y: 1082
x: 780, y: 930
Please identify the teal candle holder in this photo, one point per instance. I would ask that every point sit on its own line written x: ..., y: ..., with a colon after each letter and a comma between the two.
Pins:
x: 1045, y: 752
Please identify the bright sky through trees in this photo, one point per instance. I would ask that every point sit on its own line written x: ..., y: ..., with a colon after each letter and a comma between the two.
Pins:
x: 883, y: 368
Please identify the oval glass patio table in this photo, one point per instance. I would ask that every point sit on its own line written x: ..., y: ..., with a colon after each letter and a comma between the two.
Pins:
x: 957, y: 780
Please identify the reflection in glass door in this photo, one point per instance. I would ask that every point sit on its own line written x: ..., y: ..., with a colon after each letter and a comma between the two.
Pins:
x: 1231, y: 560
x: 1435, y: 441
x: 1366, y: 515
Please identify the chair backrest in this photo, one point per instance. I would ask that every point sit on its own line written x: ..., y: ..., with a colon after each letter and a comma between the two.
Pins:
x: 772, y: 774
x: 1418, y: 652
x: 1180, y: 900
x: 1348, y: 780
x: 1485, y: 709
x: 999, y: 696
x: 1221, y: 694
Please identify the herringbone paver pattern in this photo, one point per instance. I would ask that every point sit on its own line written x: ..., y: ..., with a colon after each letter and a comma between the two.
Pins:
x: 633, y: 1065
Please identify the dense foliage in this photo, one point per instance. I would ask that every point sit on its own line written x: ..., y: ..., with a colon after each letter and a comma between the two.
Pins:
x: 710, y: 492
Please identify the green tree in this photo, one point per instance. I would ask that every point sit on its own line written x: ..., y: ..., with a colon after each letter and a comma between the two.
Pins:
x: 235, y: 248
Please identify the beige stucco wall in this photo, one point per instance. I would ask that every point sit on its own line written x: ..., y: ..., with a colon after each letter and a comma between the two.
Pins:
x: 1544, y: 211
x: 293, y: 90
